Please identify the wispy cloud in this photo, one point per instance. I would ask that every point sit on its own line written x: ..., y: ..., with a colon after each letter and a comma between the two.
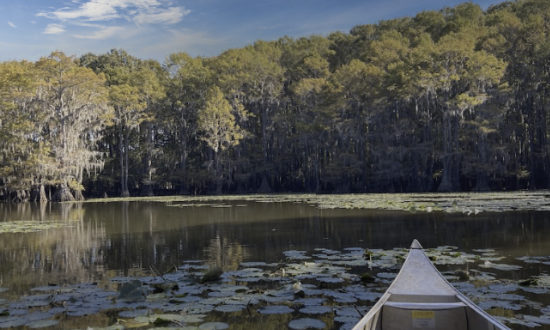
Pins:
x: 103, y: 19
x: 13, y: 26
x: 140, y: 11
x: 103, y: 33
x: 171, y: 15
x: 54, y: 29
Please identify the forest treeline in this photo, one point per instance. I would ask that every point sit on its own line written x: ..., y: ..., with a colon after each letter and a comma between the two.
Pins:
x: 446, y: 100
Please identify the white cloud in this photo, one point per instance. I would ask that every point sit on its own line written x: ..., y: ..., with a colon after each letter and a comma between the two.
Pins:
x: 143, y: 11
x: 13, y: 26
x: 54, y: 29
x: 171, y: 15
x: 102, y: 19
x: 103, y: 33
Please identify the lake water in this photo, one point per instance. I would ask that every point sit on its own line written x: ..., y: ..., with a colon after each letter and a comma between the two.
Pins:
x: 110, y: 243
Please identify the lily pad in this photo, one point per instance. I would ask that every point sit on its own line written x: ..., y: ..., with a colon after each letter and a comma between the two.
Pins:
x: 276, y: 309
x: 12, y: 322
x: 296, y: 255
x: 31, y: 226
x: 253, y: 264
x: 306, y: 323
x: 229, y: 308
x: 310, y: 301
x: 504, y: 267
x: 538, y: 319
x: 133, y: 313
x: 316, y: 310
x: 214, y: 326
x: 42, y: 324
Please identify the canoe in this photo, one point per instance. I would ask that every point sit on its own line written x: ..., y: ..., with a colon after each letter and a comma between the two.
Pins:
x: 421, y: 298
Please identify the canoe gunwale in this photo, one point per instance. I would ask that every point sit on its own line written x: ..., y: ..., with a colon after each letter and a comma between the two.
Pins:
x: 458, y: 299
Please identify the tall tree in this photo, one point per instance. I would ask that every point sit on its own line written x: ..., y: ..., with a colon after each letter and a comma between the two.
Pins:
x: 75, y: 99
x: 187, y: 89
x: 220, y: 131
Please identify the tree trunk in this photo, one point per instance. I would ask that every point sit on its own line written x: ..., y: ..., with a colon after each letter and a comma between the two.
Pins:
x: 42, y: 194
x: 78, y: 195
x: 147, y: 189
x: 63, y: 194
x: 124, y: 192
x: 482, y: 181
x: 183, y: 189
x: 38, y: 194
x: 20, y: 196
x: 450, y: 180
x: 218, y: 174
x: 264, y: 186
x: 34, y: 194
x: 538, y: 147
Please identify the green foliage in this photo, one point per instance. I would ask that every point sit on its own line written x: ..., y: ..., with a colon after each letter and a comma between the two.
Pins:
x: 454, y: 99
x: 217, y: 122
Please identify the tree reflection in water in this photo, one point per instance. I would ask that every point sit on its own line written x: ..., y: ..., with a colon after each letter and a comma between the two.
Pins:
x: 72, y: 253
x: 225, y: 254
x: 103, y: 240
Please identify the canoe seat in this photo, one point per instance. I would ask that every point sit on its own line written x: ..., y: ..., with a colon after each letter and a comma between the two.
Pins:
x: 424, y: 305
x: 423, y: 315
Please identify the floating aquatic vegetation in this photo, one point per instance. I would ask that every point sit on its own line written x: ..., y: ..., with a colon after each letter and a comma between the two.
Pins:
x: 543, y: 280
x: 545, y: 260
x: 275, y: 309
x: 445, y: 257
x: 504, y: 267
x: 229, y: 308
x: 310, y: 301
x: 42, y: 324
x: 296, y: 255
x: 212, y: 274
x: 133, y: 313
x: 306, y: 323
x: 541, y: 320
x: 31, y: 226
x: 485, y: 251
x: 320, y: 309
x: 466, y: 203
x: 320, y: 282
x: 132, y: 291
x: 252, y: 264
x: 214, y: 326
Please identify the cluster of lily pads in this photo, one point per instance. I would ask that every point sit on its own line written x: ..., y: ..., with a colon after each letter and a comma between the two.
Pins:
x: 466, y: 203
x: 30, y: 226
x: 317, y: 289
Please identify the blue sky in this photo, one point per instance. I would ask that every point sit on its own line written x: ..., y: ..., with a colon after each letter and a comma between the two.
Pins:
x: 157, y: 28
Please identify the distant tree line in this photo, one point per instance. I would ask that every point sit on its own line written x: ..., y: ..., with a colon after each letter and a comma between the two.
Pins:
x: 447, y: 100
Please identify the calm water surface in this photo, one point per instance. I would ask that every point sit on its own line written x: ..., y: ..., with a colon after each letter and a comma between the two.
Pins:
x: 103, y: 240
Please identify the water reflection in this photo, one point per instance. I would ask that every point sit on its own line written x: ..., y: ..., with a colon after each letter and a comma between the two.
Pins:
x: 225, y: 254
x: 61, y: 255
x: 130, y: 238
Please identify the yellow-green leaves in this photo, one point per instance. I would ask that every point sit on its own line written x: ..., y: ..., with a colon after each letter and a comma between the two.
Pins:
x: 217, y: 122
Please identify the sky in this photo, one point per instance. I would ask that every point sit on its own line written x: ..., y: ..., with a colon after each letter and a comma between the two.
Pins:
x: 156, y: 28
